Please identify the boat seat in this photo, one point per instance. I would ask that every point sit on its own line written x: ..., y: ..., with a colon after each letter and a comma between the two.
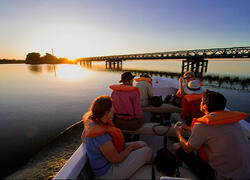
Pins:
x: 162, y: 130
x: 164, y: 108
x: 145, y: 172
x: 147, y: 129
x: 159, y: 130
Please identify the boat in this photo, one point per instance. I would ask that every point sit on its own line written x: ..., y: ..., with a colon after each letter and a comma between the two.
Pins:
x: 77, y: 167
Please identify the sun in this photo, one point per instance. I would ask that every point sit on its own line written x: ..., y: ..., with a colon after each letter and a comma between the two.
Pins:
x: 71, y: 72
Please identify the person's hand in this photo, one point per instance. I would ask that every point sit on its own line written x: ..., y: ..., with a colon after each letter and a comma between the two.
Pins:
x: 180, y: 80
x: 177, y: 129
x: 185, y: 127
x: 135, y: 146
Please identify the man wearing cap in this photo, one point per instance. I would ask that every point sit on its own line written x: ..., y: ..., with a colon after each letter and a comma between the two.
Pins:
x: 190, y: 103
x: 188, y: 76
x: 126, y: 102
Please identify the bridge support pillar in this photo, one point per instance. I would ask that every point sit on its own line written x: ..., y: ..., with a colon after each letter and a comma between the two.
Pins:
x: 113, y: 64
x: 197, y: 65
x: 86, y: 63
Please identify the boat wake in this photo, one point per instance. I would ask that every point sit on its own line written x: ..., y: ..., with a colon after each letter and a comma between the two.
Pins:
x: 51, y: 158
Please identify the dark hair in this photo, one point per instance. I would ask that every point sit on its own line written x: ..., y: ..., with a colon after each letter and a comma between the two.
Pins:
x: 126, y: 77
x: 145, y: 75
x: 214, y: 101
x: 100, y: 106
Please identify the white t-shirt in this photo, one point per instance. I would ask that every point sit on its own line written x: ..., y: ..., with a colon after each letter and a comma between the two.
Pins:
x: 145, y: 92
x: 227, y: 148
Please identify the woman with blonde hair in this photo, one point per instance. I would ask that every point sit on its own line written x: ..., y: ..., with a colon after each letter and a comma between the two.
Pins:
x: 108, y: 156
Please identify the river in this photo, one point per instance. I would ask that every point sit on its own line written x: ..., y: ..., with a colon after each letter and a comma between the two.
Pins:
x: 38, y: 102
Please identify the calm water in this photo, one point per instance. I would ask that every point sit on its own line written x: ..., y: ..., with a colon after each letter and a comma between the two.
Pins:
x: 39, y: 102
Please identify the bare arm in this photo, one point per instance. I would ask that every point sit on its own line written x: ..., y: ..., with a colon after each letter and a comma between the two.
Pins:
x: 180, y: 86
x: 184, y: 144
x: 111, y: 154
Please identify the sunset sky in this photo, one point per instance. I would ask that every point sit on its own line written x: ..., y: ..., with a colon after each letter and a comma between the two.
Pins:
x: 81, y: 28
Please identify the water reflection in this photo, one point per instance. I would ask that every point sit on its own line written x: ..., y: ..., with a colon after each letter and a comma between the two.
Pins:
x: 35, y: 106
x: 64, y: 71
x: 52, y: 68
x: 71, y: 72
x: 228, y: 82
x: 36, y: 69
x: 75, y: 72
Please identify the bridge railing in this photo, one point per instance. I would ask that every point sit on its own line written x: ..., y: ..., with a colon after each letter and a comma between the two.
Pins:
x: 233, y: 52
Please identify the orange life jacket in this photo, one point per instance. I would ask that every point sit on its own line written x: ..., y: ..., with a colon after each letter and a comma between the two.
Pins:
x: 144, y: 79
x: 192, y: 97
x: 191, y: 107
x: 215, y: 118
x: 122, y: 87
x: 101, y: 128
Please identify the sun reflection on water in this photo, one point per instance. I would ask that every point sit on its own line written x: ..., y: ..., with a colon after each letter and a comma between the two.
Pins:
x: 71, y: 72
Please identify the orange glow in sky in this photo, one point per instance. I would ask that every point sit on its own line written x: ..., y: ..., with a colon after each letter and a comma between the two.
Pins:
x: 76, y: 29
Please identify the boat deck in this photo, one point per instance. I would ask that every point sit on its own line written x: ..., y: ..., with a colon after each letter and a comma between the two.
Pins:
x: 162, y: 86
x: 156, y: 143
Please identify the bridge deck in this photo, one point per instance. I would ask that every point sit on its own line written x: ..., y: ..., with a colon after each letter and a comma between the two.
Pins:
x: 197, y: 54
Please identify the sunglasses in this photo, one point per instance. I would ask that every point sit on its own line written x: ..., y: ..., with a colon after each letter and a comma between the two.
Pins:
x: 187, y: 77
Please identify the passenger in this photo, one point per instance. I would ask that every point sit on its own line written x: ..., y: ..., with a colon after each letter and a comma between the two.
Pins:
x: 144, y: 84
x: 188, y: 76
x: 126, y: 100
x: 222, y: 138
x: 190, y: 103
x: 109, y: 158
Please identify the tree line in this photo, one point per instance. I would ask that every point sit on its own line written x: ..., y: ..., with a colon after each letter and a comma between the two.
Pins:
x: 11, y: 61
x: 36, y: 58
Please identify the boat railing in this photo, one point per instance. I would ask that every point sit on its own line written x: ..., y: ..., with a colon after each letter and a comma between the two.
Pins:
x: 73, y: 167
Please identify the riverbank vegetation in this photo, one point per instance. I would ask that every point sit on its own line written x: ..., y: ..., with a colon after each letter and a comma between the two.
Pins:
x: 36, y: 58
x: 11, y: 61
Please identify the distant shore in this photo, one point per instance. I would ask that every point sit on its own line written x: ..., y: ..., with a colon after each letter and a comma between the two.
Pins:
x: 24, y: 62
x: 12, y: 61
